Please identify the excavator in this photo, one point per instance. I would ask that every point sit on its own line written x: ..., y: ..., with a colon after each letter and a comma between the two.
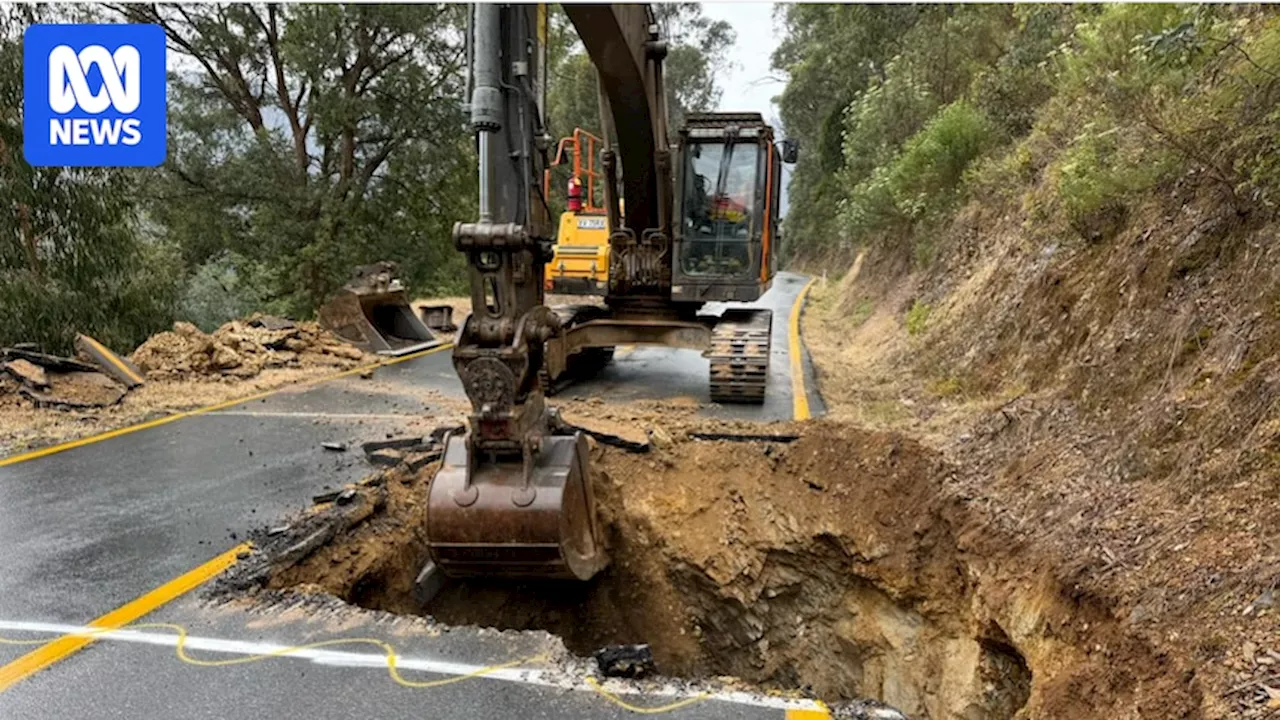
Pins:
x: 691, y: 219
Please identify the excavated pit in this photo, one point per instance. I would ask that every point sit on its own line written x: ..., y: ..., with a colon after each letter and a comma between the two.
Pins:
x: 836, y: 564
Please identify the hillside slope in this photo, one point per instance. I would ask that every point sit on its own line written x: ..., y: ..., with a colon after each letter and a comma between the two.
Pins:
x: 1089, y: 333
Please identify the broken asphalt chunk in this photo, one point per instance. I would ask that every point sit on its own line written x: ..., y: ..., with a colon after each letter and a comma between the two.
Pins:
x: 437, y: 435
x: 272, y: 322
x: 418, y: 461
x: 115, y: 366
x: 46, y: 361
x: 28, y: 373
x: 326, y: 497
x: 393, y: 444
x: 744, y: 437
x: 387, y: 457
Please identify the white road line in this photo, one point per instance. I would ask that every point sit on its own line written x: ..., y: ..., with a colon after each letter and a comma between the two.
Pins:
x: 338, y: 658
x: 320, y: 415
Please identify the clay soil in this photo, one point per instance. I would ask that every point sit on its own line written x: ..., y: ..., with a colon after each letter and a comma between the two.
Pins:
x: 836, y: 563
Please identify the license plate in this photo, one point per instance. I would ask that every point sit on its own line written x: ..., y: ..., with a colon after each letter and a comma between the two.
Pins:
x: 591, y: 223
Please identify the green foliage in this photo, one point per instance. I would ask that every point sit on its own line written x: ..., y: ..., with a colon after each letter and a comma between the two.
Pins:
x: 313, y: 139
x: 221, y: 289
x: 926, y: 176
x: 917, y: 318
x: 72, y: 258
x: 1094, y: 173
x: 1073, y: 110
x: 923, y: 180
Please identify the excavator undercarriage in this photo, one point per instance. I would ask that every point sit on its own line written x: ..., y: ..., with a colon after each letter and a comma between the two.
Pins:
x: 513, y: 496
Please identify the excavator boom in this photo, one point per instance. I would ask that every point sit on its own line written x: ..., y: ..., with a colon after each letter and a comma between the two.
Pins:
x: 514, y: 495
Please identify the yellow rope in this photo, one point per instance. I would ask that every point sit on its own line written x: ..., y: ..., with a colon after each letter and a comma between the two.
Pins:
x: 595, y: 685
x: 389, y: 652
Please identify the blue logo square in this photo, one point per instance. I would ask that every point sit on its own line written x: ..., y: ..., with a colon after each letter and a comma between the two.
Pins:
x: 94, y: 95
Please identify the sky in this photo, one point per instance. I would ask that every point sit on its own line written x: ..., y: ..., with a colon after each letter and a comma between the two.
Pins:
x: 746, y: 86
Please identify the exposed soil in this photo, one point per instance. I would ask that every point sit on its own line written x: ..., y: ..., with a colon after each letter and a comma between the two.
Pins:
x: 185, y: 369
x: 240, y: 350
x: 837, y: 563
x: 1113, y: 404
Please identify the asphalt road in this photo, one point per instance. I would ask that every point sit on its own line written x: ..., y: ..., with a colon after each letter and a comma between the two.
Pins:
x: 88, y: 529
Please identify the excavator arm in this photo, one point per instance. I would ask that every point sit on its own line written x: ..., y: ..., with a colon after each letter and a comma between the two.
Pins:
x: 513, y: 495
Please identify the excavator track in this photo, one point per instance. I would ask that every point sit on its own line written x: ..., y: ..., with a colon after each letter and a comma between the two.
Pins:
x: 739, y: 354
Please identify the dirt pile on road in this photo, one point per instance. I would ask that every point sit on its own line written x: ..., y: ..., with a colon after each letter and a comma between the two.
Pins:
x: 238, y: 349
x: 185, y: 369
x: 837, y: 563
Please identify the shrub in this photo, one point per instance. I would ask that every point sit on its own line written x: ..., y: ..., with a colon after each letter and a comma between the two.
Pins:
x: 221, y: 289
x: 918, y: 318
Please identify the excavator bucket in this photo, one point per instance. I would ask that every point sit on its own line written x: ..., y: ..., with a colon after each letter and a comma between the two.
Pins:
x: 492, y: 521
x: 372, y: 312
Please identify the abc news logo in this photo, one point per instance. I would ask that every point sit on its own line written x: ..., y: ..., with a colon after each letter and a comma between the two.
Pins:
x: 69, y: 88
x: 94, y: 95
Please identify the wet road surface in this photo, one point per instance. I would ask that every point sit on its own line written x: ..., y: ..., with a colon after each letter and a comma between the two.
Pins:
x: 88, y: 529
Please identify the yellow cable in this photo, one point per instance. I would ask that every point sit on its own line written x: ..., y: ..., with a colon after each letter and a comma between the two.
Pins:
x: 390, y: 653
x: 595, y: 685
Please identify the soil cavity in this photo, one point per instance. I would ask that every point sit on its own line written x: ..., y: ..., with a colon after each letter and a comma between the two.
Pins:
x: 831, y: 564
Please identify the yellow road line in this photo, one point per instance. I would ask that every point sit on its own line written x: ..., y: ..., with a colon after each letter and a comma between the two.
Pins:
x: 799, y: 396
x: 53, y: 651
x: 32, y: 455
x: 794, y: 714
x: 113, y: 359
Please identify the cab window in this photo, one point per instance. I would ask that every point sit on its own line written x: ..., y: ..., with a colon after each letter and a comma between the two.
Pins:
x: 719, y: 205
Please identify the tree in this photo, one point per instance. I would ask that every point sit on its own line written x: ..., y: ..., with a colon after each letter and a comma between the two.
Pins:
x: 698, y: 51
x: 72, y: 257
x: 313, y: 138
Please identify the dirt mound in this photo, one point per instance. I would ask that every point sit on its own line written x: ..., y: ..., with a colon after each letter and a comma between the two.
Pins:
x: 836, y: 563
x: 240, y: 350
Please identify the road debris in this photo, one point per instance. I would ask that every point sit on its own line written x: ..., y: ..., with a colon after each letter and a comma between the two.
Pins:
x: 386, y: 457
x: 52, y: 363
x: 745, y: 437
x: 334, y: 446
x: 119, y: 368
x: 326, y: 497
x: 27, y: 372
x: 626, y: 661
x: 272, y: 322
x: 58, y: 382
x: 404, y: 443
x: 241, y: 349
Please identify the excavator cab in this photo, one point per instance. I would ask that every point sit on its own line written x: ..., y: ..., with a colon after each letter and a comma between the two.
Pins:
x: 728, y: 184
